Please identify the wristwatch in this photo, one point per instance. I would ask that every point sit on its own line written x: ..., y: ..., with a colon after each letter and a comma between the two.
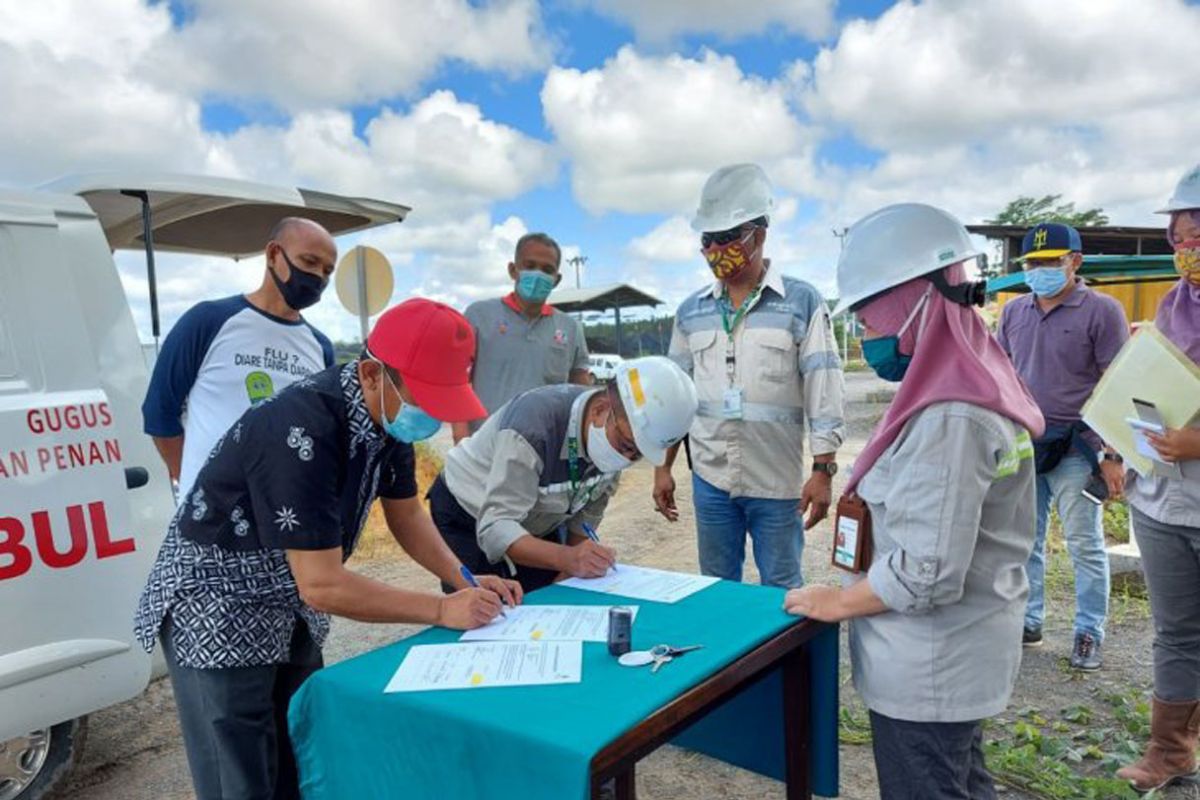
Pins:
x: 1114, y: 457
x: 830, y: 468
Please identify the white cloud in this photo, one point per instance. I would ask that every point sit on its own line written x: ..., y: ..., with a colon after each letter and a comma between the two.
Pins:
x: 456, y: 261
x: 313, y: 54
x: 73, y: 98
x: 664, y: 20
x: 673, y: 240
x: 443, y: 157
x: 945, y: 71
x: 78, y: 102
x: 971, y: 105
x: 643, y: 132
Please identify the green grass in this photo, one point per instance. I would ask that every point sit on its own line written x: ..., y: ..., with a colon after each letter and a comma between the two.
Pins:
x: 1071, y: 753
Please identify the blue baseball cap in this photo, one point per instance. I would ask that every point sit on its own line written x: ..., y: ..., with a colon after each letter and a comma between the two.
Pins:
x: 1050, y: 240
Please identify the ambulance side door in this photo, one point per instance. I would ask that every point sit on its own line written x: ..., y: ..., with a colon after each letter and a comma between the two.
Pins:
x: 71, y: 566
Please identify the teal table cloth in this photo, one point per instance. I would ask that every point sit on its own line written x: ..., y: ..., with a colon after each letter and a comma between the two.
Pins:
x: 537, y: 742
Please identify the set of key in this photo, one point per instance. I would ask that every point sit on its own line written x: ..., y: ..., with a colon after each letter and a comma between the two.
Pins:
x: 657, y: 656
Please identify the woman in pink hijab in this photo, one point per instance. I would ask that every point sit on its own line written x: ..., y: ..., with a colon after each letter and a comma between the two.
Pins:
x: 948, y: 478
x: 1166, y: 521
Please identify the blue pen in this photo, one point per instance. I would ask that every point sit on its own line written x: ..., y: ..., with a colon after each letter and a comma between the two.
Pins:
x: 470, y: 578
x: 591, y: 534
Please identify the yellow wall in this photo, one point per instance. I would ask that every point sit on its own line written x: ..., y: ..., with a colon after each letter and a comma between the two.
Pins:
x: 1140, y: 300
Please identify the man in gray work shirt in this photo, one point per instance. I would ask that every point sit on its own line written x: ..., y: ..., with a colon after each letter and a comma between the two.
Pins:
x: 523, y: 342
x: 548, y: 461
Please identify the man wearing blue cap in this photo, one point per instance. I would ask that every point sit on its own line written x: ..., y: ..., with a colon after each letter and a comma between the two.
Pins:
x: 1061, y: 337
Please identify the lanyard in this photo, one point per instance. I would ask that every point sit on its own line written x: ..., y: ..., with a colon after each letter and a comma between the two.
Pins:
x: 728, y: 324
x: 731, y: 324
x: 573, y: 474
x: 573, y: 463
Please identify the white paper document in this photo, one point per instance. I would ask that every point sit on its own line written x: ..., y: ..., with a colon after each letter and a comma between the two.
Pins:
x: 1144, y: 448
x: 546, y: 624
x: 480, y: 665
x: 644, y: 583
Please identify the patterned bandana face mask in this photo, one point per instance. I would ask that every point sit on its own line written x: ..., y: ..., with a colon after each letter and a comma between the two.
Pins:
x: 730, y: 260
x: 1187, y: 261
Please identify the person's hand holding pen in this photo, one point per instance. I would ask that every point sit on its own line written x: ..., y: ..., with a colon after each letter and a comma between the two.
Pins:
x: 510, y: 592
x: 589, y: 558
x: 478, y: 605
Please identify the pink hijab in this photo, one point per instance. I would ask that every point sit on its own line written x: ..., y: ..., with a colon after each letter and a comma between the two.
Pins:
x: 955, y: 357
x: 1179, y: 312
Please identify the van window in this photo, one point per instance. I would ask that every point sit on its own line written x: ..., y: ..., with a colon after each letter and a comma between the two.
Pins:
x: 8, y: 356
x: 8, y: 359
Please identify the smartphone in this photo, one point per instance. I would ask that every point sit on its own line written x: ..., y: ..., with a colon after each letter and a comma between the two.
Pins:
x: 1096, y: 489
x: 1148, y: 412
x: 1151, y: 420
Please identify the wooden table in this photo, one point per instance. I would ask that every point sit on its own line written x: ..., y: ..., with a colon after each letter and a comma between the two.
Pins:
x: 786, y: 651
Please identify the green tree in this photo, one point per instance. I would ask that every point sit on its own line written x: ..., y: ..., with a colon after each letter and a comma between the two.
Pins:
x: 1032, y: 210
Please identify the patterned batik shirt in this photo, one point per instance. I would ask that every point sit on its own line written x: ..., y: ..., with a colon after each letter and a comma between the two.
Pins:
x: 298, y: 472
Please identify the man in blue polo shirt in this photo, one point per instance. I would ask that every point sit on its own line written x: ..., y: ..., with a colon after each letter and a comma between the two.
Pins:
x: 1061, y: 337
x: 224, y: 356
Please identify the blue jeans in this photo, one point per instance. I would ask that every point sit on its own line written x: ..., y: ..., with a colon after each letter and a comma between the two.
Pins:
x: 776, y: 531
x: 1084, y: 532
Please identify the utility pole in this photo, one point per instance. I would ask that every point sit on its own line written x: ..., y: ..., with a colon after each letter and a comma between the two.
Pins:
x: 577, y: 262
x: 840, y: 233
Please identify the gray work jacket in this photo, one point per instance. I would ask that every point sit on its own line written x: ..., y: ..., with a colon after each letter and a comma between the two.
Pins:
x: 513, y: 475
x: 952, y: 505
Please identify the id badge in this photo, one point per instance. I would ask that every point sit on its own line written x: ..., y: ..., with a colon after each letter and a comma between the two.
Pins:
x: 731, y: 408
x: 845, y: 543
x: 852, y: 535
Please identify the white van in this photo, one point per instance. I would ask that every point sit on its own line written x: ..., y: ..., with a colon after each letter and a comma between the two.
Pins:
x: 84, y: 497
x: 604, y: 366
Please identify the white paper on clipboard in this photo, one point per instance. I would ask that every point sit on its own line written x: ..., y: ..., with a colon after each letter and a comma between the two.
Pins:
x: 1151, y: 368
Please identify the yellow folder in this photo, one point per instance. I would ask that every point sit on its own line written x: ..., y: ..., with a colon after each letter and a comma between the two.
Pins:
x: 1149, y: 367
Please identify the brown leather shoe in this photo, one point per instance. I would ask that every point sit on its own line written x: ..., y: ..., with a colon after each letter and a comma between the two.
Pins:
x: 1171, y: 754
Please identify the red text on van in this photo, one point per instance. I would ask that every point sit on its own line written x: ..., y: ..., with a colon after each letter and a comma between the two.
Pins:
x: 17, y: 551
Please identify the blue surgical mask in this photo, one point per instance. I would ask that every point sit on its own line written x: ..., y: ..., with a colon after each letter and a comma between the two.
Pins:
x: 411, y: 423
x: 534, y: 286
x: 883, y: 355
x: 1046, y: 281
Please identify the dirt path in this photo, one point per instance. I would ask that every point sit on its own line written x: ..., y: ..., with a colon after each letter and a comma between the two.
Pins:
x: 134, y: 751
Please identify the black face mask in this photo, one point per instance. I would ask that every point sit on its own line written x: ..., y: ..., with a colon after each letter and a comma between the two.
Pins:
x: 302, y: 289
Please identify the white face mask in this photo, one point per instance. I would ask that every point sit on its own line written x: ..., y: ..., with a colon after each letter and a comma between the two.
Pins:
x: 601, y: 452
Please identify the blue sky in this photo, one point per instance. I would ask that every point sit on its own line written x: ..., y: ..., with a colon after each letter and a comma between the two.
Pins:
x: 598, y: 120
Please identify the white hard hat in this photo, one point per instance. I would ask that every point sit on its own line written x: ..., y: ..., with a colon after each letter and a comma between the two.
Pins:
x: 896, y: 244
x: 1187, y: 193
x: 733, y: 195
x: 660, y: 401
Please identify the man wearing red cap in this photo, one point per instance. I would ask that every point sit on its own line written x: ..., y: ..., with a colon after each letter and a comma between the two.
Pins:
x: 252, y: 564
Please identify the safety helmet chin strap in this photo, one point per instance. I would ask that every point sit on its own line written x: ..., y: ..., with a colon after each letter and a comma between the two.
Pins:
x: 971, y: 293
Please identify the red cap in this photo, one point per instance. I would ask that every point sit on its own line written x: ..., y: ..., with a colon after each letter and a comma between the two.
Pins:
x: 432, y: 346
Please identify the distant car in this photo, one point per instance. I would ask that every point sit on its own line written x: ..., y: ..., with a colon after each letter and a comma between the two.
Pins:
x: 604, y: 366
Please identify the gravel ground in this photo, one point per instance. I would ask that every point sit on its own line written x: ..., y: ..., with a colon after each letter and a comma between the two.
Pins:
x: 134, y: 751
